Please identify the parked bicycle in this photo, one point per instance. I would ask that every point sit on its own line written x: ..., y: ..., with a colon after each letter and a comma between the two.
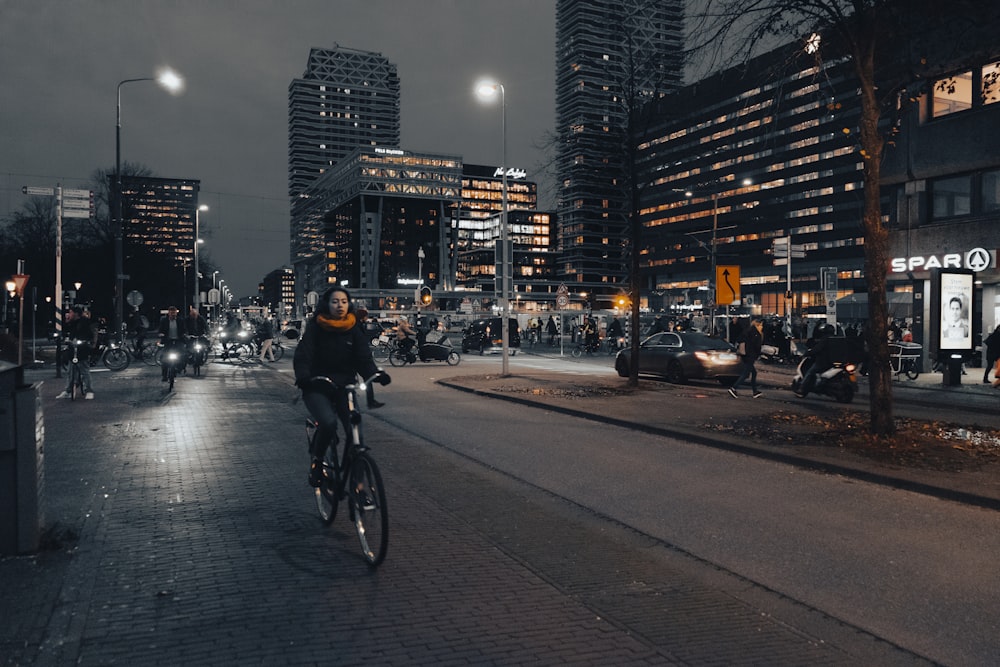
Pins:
x: 353, y: 475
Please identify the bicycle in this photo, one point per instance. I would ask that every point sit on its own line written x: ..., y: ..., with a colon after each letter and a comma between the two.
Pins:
x: 354, y: 475
x: 75, y: 375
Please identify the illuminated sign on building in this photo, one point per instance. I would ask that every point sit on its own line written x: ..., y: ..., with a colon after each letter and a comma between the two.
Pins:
x: 389, y: 151
x: 977, y: 259
x: 512, y: 172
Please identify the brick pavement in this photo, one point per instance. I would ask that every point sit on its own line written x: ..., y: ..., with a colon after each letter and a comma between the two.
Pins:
x: 183, y: 533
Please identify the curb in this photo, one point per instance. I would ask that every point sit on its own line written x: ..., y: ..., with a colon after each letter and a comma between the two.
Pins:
x: 698, y: 437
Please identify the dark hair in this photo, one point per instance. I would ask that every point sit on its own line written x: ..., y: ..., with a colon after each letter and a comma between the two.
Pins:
x: 323, y: 305
x: 78, y: 309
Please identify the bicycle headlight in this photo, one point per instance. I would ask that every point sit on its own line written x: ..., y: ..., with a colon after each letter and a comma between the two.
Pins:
x: 173, y: 356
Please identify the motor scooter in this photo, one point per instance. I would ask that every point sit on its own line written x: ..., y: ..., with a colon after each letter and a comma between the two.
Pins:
x: 437, y: 350
x: 839, y: 381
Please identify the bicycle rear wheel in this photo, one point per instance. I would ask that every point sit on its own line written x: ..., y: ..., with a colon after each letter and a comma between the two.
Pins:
x: 326, y: 493
x: 278, y: 350
x: 116, y: 359
x: 369, y: 511
x: 148, y: 354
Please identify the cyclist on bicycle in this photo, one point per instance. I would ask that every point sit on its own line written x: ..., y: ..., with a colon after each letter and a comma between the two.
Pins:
x: 172, y: 333
x: 406, y: 338
x: 79, y: 327
x: 334, y: 345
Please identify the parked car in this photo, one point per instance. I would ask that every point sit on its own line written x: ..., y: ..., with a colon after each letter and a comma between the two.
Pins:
x: 680, y: 356
x: 486, y: 336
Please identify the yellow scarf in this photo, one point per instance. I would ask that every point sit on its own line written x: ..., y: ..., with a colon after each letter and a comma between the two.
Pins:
x: 330, y: 324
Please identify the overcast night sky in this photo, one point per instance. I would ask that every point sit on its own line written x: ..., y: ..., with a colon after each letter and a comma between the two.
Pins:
x: 61, y: 61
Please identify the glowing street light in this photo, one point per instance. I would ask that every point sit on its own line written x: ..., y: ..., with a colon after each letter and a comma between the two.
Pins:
x: 196, y: 302
x: 487, y: 90
x: 172, y: 82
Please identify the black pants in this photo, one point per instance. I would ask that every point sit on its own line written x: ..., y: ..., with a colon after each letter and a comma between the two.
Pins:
x: 327, y: 412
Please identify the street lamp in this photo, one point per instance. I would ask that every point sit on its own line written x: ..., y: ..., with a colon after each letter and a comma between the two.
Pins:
x: 196, y: 302
x: 169, y: 80
x: 487, y: 90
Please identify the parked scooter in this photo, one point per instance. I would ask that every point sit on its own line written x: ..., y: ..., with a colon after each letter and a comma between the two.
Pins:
x: 839, y: 381
x: 438, y: 350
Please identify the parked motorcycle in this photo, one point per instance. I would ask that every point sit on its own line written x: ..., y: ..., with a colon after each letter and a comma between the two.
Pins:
x: 438, y: 350
x: 839, y: 381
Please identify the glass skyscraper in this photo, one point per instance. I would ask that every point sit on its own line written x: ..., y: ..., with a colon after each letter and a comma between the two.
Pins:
x: 611, y: 55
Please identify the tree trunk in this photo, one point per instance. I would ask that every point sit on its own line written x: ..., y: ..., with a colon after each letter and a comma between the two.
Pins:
x: 876, y: 247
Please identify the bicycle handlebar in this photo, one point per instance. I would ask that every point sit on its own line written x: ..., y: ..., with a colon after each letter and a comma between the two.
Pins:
x: 323, y: 383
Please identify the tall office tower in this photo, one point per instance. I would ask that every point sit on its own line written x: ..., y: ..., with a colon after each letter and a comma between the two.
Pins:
x: 604, y: 50
x: 345, y: 99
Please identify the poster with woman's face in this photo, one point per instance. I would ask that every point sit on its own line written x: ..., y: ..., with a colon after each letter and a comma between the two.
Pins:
x: 956, y: 311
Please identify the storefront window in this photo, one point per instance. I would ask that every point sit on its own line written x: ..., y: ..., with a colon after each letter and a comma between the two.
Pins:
x: 952, y: 196
x: 991, y: 191
x: 952, y: 94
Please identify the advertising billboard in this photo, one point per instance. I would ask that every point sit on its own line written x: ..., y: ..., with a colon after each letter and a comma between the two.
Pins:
x: 954, y: 306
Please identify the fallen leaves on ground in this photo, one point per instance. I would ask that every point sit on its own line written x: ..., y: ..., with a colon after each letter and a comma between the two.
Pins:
x: 916, y: 443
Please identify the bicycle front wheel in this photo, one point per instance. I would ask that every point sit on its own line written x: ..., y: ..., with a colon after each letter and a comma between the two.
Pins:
x: 278, y: 350
x: 397, y: 358
x: 326, y: 493
x: 369, y: 511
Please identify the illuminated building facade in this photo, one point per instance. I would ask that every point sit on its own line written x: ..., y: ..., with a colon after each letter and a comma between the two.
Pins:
x: 769, y: 151
x: 158, y: 215
x: 375, y: 211
x: 477, y: 222
x: 601, y: 45
x: 278, y: 288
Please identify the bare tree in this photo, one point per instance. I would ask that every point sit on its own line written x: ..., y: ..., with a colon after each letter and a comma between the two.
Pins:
x: 894, y: 47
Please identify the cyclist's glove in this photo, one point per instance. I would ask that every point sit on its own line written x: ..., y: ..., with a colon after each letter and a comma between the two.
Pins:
x: 383, y: 378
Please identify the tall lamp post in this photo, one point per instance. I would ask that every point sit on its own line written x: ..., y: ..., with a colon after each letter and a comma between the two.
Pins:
x: 169, y: 80
x: 487, y: 90
x: 196, y: 301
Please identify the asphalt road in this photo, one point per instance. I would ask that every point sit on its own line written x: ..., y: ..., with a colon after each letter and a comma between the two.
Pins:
x: 912, y: 570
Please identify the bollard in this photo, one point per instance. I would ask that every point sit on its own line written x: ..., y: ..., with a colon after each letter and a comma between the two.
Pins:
x: 21, y: 463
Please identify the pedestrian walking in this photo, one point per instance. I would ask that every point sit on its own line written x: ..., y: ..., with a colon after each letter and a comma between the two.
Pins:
x: 552, y: 330
x: 265, y: 332
x: 749, y: 343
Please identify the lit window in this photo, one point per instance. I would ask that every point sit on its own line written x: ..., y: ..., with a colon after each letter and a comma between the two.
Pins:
x: 991, y: 83
x: 951, y: 94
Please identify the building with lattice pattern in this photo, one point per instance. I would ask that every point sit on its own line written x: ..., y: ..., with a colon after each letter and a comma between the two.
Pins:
x: 602, y: 46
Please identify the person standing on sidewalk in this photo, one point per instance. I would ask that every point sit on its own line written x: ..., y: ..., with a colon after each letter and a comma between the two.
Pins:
x: 79, y: 327
x: 750, y: 340
x: 992, y: 344
x: 336, y: 347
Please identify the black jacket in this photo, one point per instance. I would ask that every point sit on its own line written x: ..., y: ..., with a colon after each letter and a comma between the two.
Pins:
x: 165, y: 328
x: 338, y: 355
x: 752, y: 340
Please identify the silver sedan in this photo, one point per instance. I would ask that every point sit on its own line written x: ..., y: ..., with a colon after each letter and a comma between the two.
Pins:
x: 680, y: 356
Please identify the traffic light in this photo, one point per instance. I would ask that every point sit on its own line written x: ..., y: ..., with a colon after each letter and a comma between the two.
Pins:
x: 425, y: 295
